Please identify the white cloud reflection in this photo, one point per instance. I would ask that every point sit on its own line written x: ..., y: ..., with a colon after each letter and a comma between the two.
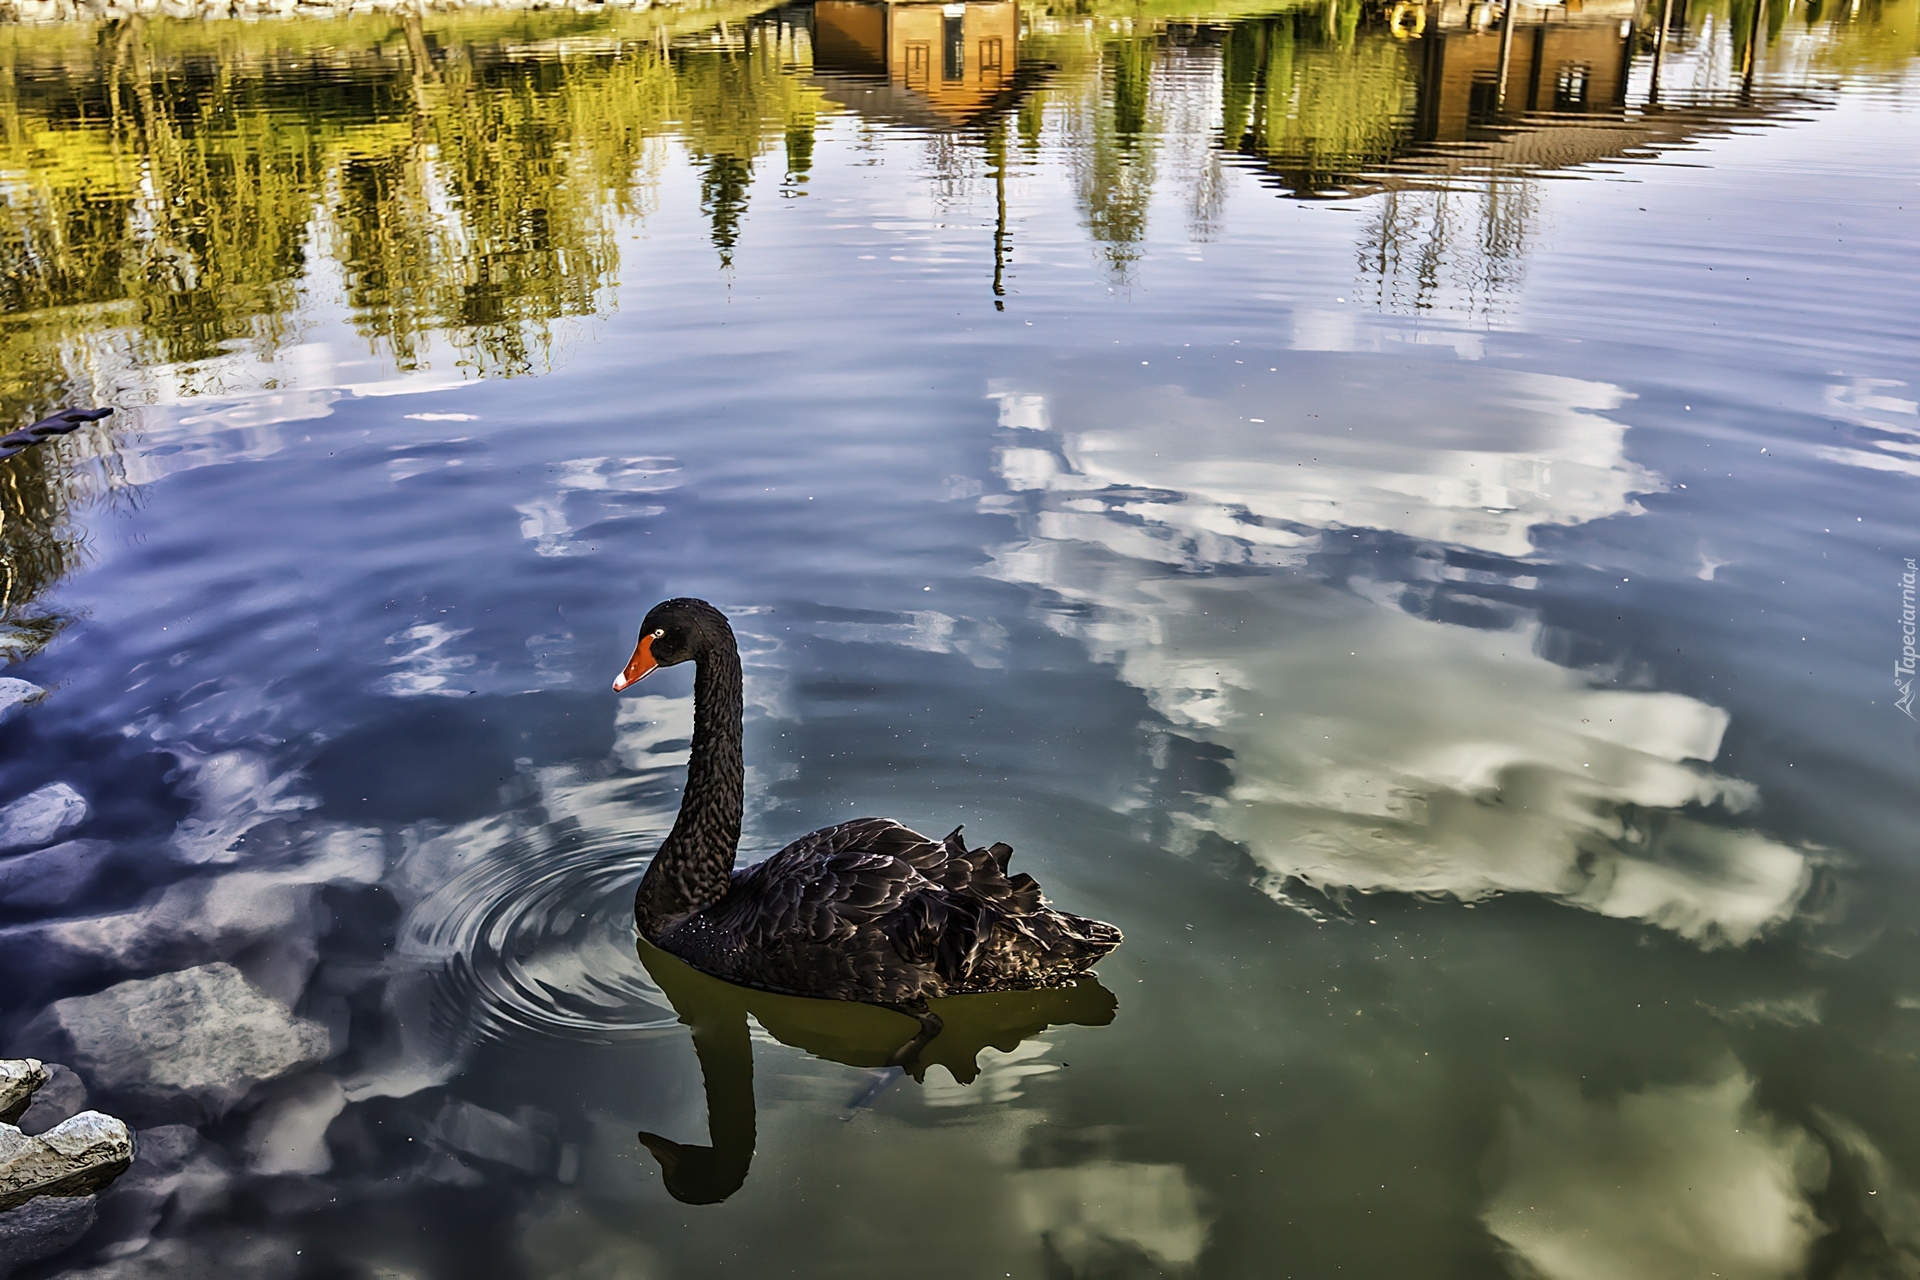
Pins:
x: 1089, y: 1211
x: 1373, y: 749
x: 1670, y: 1183
x: 1478, y: 459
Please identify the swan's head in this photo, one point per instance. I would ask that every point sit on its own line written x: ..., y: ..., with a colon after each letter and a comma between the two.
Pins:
x: 696, y: 1175
x: 675, y: 631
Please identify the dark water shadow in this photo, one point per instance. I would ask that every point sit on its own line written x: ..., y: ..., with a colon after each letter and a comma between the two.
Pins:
x: 858, y: 1035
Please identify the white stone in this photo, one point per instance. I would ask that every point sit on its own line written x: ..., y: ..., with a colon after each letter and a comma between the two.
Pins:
x: 42, y: 816
x: 73, y: 1158
x: 15, y: 694
x: 20, y: 1079
x: 206, y: 1035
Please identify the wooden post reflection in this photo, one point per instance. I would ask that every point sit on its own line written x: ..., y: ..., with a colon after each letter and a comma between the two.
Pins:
x: 1755, y: 33
x: 1659, y: 51
x: 997, y: 155
x: 1506, y: 56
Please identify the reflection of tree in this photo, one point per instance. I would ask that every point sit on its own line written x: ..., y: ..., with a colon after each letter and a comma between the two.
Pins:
x: 723, y: 198
x: 1462, y: 247
x: 38, y: 544
x: 166, y: 190
x: 41, y: 485
x: 1111, y: 150
x: 463, y: 172
x: 735, y: 99
x: 1314, y: 98
x: 170, y: 188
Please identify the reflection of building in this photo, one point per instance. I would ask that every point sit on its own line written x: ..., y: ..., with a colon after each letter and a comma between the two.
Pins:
x: 1558, y: 61
x: 1411, y: 95
x: 936, y: 65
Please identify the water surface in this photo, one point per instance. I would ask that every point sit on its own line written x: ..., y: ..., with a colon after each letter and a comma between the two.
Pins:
x: 1421, y: 549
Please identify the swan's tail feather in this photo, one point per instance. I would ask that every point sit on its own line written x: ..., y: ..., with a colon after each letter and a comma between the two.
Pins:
x: 982, y: 929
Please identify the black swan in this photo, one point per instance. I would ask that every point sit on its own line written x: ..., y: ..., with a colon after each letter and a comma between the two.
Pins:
x: 866, y: 910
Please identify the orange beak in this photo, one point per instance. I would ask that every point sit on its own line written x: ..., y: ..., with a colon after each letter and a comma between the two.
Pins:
x: 638, y: 665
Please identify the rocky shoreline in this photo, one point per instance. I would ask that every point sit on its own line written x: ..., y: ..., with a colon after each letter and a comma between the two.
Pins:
x: 53, y: 1159
x: 257, y: 991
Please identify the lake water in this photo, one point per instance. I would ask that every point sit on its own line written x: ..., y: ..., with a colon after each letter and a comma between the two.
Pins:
x: 1421, y: 547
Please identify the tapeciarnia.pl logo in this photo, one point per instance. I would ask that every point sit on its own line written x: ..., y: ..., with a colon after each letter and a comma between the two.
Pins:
x: 1903, y: 669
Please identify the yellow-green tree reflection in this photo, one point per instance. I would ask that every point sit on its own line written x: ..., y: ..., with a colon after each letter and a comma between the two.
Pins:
x: 465, y: 174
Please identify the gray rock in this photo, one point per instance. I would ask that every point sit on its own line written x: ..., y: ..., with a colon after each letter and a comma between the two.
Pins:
x: 20, y: 1079
x: 15, y: 694
x: 490, y: 1136
x: 289, y: 1134
x: 193, y: 922
x: 194, y: 1041
x: 41, y: 1228
x: 241, y: 1256
x: 212, y: 918
x: 79, y: 1156
x: 53, y: 876
x: 61, y: 1098
x: 41, y: 817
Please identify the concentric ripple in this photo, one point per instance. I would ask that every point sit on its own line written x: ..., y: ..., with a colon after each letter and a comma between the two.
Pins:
x: 537, y: 938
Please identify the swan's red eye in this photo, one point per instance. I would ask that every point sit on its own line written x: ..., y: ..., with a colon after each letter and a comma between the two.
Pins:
x: 639, y: 664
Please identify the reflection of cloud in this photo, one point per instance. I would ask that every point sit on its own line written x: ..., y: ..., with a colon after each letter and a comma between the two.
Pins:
x: 1003, y: 1077
x: 425, y: 666
x: 1108, y: 1206
x: 242, y: 432
x: 1372, y: 749
x: 1865, y: 401
x: 644, y: 725
x: 927, y: 630
x: 1880, y: 1196
x: 1476, y: 459
x: 566, y: 1242
x: 1350, y: 330
x: 311, y: 378
x: 545, y: 520
x: 233, y: 792
x: 1675, y: 1181
x: 1379, y: 751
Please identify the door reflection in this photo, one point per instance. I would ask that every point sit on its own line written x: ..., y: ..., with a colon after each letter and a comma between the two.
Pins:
x: 858, y: 1035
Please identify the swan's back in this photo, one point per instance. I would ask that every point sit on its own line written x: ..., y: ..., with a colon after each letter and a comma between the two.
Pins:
x: 873, y: 910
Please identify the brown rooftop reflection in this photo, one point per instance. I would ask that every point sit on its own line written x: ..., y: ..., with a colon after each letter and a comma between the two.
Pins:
x: 934, y: 65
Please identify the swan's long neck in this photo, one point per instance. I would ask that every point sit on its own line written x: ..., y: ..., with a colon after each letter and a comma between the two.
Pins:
x: 695, y: 860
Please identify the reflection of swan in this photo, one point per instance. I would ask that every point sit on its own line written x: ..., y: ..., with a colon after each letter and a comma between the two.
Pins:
x: 865, y: 911
x: 841, y: 1031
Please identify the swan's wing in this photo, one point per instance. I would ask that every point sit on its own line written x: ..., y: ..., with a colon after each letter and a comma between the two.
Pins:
x: 823, y: 896
x: 871, y: 835
x: 948, y: 863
